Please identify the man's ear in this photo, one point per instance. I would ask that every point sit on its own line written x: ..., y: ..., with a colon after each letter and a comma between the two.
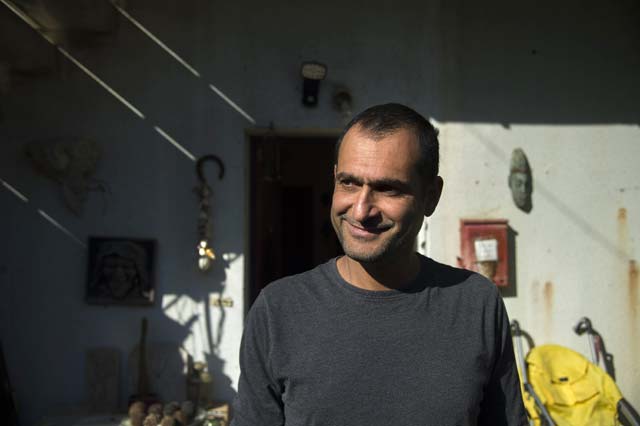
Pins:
x: 335, y: 170
x: 434, y: 190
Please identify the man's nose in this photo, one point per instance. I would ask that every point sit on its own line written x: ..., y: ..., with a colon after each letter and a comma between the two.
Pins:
x: 364, y: 206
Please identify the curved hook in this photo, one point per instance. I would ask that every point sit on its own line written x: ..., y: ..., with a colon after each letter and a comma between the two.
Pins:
x: 204, y: 159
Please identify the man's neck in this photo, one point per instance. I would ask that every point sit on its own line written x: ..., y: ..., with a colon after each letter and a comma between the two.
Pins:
x: 393, y: 275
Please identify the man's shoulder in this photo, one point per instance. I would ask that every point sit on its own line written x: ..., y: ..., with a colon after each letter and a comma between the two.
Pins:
x: 452, y: 279
x: 297, y: 286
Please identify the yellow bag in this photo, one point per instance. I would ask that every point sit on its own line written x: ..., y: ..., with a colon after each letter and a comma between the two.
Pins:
x: 574, y: 391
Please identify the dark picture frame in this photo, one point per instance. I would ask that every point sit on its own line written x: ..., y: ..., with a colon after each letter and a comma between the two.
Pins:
x: 120, y: 271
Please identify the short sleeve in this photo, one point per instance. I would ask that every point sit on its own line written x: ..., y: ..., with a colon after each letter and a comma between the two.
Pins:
x: 259, y: 398
x: 502, y: 400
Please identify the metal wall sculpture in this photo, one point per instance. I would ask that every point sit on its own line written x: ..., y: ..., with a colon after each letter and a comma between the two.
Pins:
x: 203, y: 191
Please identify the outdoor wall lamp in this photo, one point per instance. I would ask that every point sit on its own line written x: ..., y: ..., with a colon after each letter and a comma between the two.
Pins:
x: 312, y: 73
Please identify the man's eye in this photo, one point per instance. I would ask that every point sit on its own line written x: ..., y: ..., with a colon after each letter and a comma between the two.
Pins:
x: 389, y: 190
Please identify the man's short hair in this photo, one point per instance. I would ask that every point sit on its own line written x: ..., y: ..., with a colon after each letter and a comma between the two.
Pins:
x: 383, y: 120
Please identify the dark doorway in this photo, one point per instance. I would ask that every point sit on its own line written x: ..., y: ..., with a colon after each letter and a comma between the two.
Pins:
x: 291, y: 184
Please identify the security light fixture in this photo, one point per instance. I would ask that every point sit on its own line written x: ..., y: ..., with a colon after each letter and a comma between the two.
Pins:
x: 312, y: 73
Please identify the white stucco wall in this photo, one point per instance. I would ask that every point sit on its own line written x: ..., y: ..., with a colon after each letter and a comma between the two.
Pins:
x: 576, y: 249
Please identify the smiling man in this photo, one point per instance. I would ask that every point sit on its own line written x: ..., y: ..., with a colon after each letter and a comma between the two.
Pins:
x: 381, y: 335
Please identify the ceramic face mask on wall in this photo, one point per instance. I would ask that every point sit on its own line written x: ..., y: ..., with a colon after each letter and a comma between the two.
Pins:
x: 520, y: 180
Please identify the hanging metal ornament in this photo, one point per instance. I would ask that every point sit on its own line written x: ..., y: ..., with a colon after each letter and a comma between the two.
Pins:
x: 203, y: 191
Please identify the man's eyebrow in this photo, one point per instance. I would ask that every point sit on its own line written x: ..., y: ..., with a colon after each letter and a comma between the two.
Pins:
x: 395, y: 183
x: 348, y: 176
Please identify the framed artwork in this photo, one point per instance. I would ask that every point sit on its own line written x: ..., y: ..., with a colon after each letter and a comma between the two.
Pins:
x: 120, y: 271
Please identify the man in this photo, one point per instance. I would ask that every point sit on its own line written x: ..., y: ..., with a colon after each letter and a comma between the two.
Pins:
x: 381, y: 335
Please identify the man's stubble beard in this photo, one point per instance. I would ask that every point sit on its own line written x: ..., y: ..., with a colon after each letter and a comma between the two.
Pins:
x: 387, y: 248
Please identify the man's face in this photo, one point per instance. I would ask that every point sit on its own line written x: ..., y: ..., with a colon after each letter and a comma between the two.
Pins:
x: 379, y: 199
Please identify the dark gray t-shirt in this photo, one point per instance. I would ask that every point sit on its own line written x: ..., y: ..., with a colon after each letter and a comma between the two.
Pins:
x: 318, y: 351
